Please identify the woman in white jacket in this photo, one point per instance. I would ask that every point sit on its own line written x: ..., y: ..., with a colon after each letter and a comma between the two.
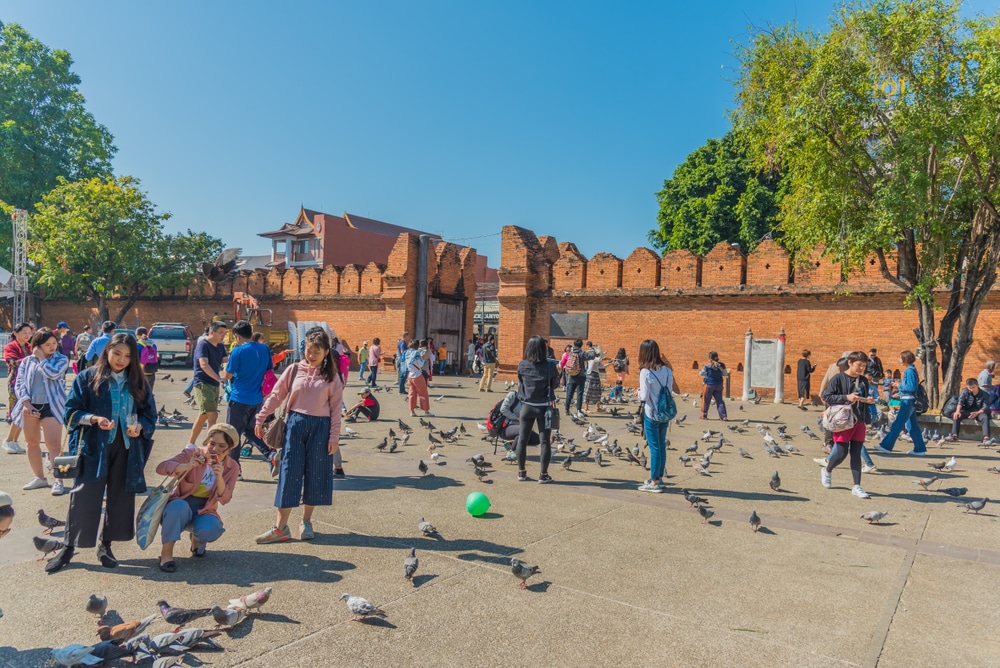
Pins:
x: 654, y: 377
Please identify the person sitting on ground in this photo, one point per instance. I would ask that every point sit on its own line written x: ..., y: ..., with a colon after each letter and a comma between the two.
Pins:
x: 6, y: 513
x: 367, y: 407
x: 206, y: 477
x: 510, y: 408
x: 973, y: 404
x: 617, y: 393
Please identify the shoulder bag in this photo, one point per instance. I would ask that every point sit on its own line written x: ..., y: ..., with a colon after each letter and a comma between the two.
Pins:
x: 147, y: 521
x: 551, y: 419
x: 67, y: 465
x: 274, y: 435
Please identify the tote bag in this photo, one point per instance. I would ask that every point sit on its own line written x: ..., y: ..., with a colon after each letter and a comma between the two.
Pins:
x: 151, y: 512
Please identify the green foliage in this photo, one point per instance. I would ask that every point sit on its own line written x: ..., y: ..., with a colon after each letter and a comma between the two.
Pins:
x: 45, y: 131
x: 100, y: 239
x: 717, y: 194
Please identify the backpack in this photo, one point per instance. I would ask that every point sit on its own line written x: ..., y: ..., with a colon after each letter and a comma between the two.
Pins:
x: 496, y: 422
x: 618, y: 365
x: 666, y: 407
x: 147, y: 354
x: 572, y: 367
x: 922, y: 401
x: 489, y: 353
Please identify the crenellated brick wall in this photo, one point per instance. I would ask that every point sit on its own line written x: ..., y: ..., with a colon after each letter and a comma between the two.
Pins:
x: 359, y: 302
x: 692, y: 305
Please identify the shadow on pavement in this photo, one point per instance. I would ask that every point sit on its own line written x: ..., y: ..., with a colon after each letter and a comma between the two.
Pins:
x: 240, y: 568
x: 417, y: 481
x: 752, y: 496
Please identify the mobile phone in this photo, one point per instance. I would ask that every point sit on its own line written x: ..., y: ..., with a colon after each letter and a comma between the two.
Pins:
x: 215, y: 458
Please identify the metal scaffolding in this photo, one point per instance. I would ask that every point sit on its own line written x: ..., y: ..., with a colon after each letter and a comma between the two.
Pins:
x: 19, y: 280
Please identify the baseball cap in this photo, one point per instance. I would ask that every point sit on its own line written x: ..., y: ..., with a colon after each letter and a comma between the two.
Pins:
x: 62, y: 324
x: 223, y: 428
x: 5, y: 500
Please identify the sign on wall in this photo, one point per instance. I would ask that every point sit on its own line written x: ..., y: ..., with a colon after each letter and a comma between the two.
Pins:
x: 764, y: 354
x: 569, y: 325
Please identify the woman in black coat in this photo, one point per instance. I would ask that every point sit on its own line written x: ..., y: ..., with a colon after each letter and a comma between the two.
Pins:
x: 803, y: 375
x: 111, y: 417
x: 849, y: 387
x: 537, y: 379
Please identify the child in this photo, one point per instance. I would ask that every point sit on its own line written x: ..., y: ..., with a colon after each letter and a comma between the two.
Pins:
x: 617, y: 393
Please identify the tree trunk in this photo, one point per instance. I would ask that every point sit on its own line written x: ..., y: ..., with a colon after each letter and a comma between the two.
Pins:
x: 928, y: 349
x: 102, y: 309
x: 134, y: 294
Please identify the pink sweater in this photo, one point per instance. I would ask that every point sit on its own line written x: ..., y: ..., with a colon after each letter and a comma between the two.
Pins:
x: 308, y: 393
x: 189, y: 483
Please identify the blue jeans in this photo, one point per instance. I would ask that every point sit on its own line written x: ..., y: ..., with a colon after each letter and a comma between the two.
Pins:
x: 656, y: 435
x: 907, y: 416
x: 373, y: 375
x: 574, y: 385
x: 181, y: 514
x: 361, y: 372
x: 441, y: 364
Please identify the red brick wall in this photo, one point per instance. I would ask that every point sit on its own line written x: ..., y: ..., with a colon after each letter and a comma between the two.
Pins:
x: 641, y: 269
x: 814, y: 314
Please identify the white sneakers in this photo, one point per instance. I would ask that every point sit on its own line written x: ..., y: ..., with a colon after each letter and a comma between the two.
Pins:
x: 36, y: 483
x: 822, y: 461
x: 57, y: 488
x: 860, y: 493
x: 825, y: 478
x: 12, y: 448
x: 868, y: 469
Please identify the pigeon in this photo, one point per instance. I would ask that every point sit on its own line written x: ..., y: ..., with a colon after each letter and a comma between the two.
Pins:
x: 754, y: 520
x: 362, y: 607
x: 706, y: 513
x: 743, y: 453
x: 426, y: 528
x: 250, y: 602
x: 394, y: 445
x: 228, y: 616
x: 937, y: 466
x: 406, y: 438
x: 599, y: 459
x: 410, y: 564
x: 108, y: 651
x: 693, y: 498
x: 951, y: 463
x: 450, y: 433
x: 769, y: 450
x: 975, y: 505
x: 433, y: 440
x: 810, y: 433
x: 775, y: 482
x: 350, y: 432
x: 701, y: 470
x: 180, y: 616
x: 478, y: 460
x: 47, y: 546
x: 874, y: 516
x: 382, y: 445
x: 392, y: 433
x: 441, y: 398
x: 955, y: 491
x: 775, y: 418
x: 482, y: 474
x: 522, y: 571
x: 482, y: 427
x: 567, y: 462
x: 422, y: 467
x: 430, y: 425
x: 225, y: 264
x: 583, y: 454
x: 97, y: 605
x: 403, y: 426
x: 924, y: 482
x: 126, y: 631
x: 70, y: 655
x: 691, y: 449
x: 179, y: 642
x: 49, y: 523
x: 680, y: 419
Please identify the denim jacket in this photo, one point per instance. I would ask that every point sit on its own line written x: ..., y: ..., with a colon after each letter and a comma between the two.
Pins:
x: 91, y: 442
x: 908, y: 386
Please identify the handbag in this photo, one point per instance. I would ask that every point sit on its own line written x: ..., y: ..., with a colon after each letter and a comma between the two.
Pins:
x: 274, y: 435
x: 151, y: 512
x: 839, y: 417
x: 551, y: 418
x: 67, y: 465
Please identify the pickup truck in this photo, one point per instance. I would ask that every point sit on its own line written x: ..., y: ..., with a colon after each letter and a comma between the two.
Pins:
x: 173, y: 341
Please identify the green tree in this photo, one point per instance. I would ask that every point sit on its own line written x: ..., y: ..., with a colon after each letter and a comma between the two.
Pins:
x: 101, y: 239
x: 888, y: 126
x: 45, y: 131
x: 717, y: 194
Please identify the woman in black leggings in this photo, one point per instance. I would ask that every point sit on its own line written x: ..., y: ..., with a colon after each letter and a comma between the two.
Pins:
x: 849, y: 387
x: 537, y: 380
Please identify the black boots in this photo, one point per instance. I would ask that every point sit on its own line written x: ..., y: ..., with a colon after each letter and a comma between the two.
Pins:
x: 106, y: 556
x: 61, y: 558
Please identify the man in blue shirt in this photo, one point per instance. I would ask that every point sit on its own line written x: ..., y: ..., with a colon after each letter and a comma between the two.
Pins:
x: 98, y: 345
x: 208, y: 358
x: 248, y: 362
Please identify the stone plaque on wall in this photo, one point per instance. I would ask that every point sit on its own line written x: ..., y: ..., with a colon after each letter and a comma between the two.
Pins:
x: 568, y: 325
x: 763, y: 362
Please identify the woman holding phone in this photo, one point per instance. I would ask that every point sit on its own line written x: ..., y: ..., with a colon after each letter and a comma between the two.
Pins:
x: 206, y: 478
x: 111, y: 417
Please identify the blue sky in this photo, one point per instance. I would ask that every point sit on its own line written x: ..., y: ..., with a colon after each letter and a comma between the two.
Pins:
x: 452, y: 117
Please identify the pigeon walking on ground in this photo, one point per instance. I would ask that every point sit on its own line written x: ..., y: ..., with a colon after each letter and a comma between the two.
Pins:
x: 522, y: 571
x: 743, y: 453
x: 97, y: 605
x: 426, y: 528
x: 410, y: 564
x: 754, y: 520
x: 228, y: 616
x: 125, y: 631
x: 180, y: 616
x: 706, y: 513
x: 250, y: 602
x: 422, y: 467
x: 47, y: 546
x: 874, y: 516
x: 775, y: 482
x: 49, y: 523
x: 975, y: 506
x: 71, y: 655
x: 361, y: 607
x: 925, y: 482
x: 955, y: 491
x: 693, y: 499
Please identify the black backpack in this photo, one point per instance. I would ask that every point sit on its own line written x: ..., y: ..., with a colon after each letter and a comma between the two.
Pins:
x: 922, y: 402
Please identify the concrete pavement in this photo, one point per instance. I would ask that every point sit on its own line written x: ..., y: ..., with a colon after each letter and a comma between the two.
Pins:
x: 626, y: 576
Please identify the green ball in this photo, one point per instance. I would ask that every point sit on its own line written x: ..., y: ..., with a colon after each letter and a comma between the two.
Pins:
x: 477, y: 504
